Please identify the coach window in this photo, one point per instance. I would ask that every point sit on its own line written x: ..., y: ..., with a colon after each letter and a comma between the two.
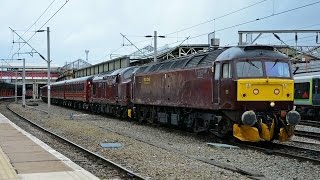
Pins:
x: 226, y: 70
x: 302, y: 90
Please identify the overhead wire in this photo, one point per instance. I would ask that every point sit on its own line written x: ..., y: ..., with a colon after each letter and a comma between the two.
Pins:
x: 32, y: 25
x: 293, y: 47
x: 166, y: 35
x: 255, y: 20
x: 123, y: 45
x: 300, y: 28
x: 305, y: 37
x: 233, y: 12
x: 270, y: 35
x: 38, y: 18
x: 243, y: 23
x: 43, y: 25
x: 113, y: 52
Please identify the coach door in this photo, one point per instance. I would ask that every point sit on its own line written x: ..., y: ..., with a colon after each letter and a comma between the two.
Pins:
x: 216, y: 85
x: 227, y: 89
x: 316, y: 91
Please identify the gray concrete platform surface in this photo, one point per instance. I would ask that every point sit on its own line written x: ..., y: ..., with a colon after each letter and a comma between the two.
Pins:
x: 22, y: 156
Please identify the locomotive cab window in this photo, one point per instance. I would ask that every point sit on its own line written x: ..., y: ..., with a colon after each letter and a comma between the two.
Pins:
x: 226, y: 70
x: 277, y: 69
x: 302, y: 90
x: 249, y: 68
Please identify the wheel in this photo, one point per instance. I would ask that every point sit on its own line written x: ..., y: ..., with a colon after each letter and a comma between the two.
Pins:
x: 224, y: 128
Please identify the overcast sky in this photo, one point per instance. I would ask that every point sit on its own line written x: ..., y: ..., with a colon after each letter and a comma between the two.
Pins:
x: 96, y: 25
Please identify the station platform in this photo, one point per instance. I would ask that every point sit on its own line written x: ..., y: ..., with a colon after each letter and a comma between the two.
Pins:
x: 22, y: 156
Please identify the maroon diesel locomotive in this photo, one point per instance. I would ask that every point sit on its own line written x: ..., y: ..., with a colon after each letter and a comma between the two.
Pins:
x: 111, y: 92
x: 245, y: 91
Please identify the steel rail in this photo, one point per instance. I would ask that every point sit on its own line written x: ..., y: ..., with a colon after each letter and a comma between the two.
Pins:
x: 310, y: 123
x: 289, y: 151
x: 247, y: 173
x: 308, y: 134
x: 130, y: 174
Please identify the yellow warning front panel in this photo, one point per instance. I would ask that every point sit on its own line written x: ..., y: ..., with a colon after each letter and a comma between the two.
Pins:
x: 265, y: 89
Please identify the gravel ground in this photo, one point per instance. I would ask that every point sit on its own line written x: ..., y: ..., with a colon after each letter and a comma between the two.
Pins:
x: 160, y: 153
x: 93, y: 165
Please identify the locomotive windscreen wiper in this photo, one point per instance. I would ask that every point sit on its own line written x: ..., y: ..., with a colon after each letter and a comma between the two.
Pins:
x: 251, y: 63
x: 275, y: 63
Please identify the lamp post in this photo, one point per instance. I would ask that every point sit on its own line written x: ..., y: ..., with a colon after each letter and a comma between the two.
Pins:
x: 155, y: 44
x: 48, y: 61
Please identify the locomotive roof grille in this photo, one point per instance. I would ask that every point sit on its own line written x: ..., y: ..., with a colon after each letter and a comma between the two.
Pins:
x: 207, y: 58
x: 165, y: 66
x: 178, y: 64
x: 155, y: 67
x: 194, y: 61
x: 141, y: 69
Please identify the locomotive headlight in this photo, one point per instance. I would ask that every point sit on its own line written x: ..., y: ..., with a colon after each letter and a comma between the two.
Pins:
x: 276, y: 91
x: 272, y: 104
x: 249, y: 118
x: 256, y: 91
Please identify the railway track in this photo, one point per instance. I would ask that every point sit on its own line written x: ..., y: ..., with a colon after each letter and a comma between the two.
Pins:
x: 248, y: 173
x: 303, y: 155
x: 310, y: 123
x: 86, y: 156
x: 308, y: 134
x: 295, y: 152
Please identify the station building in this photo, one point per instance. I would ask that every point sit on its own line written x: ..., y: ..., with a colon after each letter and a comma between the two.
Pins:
x: 36, y: 76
